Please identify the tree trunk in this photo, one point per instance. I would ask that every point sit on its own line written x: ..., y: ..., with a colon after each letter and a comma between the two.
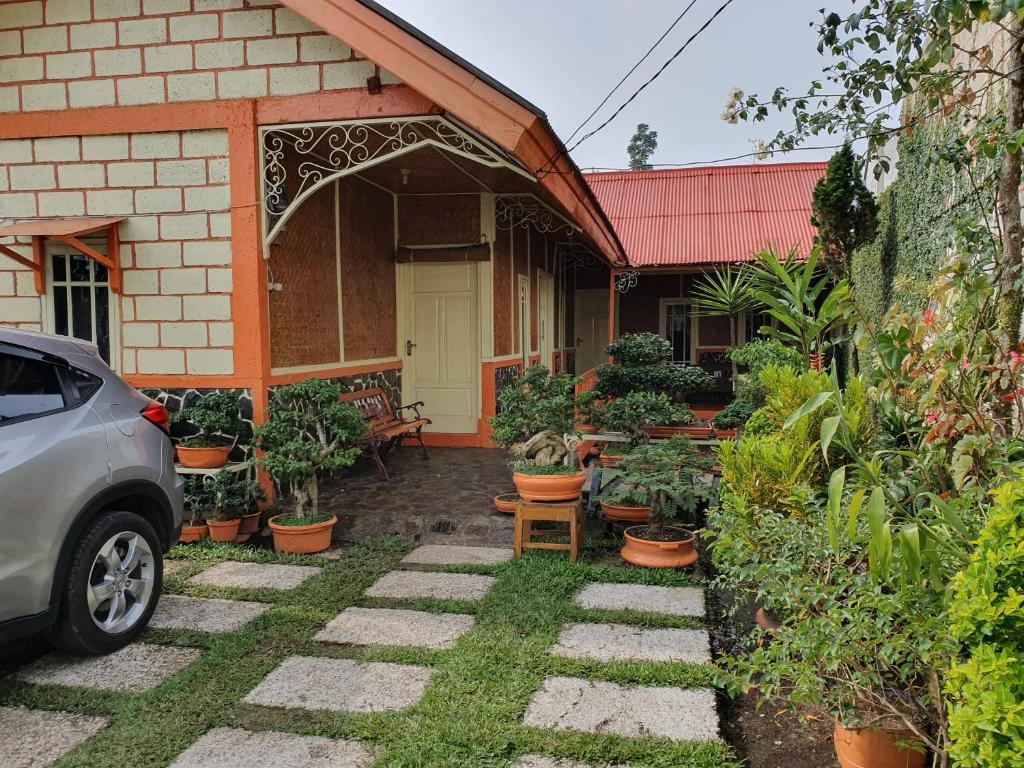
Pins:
x: 656, y: 519
x: 306, y: 496
x: 1011, y: 301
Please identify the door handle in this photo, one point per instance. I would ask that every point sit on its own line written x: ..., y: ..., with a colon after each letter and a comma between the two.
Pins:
x: 408, y: 347
x: 579, y: 342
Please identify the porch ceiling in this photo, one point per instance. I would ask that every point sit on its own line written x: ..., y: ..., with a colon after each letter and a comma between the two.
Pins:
x: 430, y: 170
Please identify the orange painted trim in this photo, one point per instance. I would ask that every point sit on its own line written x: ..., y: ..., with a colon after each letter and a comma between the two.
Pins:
x: 332, y: 373
x: 351, y: 104
x: 447, y: 440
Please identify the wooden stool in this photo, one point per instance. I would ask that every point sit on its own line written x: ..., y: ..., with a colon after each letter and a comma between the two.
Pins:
x: 529, y: 512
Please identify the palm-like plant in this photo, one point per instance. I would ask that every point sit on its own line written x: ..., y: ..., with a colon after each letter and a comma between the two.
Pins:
x: 728, y: 292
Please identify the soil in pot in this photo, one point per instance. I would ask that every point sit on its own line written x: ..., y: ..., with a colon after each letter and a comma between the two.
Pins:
x: 203, y: 458
x: 506, y: 502
x: 875, y: 748
x: 193, y: 533
x: 561, y: 487
x: 671, y: 549
x: 299, y: 537
x: 223, y: 530
x: 250, y: 524
x: 624, y: 513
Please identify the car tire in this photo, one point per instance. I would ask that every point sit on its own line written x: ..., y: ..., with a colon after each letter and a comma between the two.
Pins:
x: 106, y: 602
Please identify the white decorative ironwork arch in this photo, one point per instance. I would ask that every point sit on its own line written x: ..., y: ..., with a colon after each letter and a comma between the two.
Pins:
x: 526, y: 210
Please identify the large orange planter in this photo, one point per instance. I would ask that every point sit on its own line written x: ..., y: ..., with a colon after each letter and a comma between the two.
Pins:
x: 549, y: 487
x: 625, y: 514
x: 204, y: 458
x: 302, y: 539
x: 875, y: 748
x: 193, y: 533
x: 660, y: 554
x: 223, y: 530
x: 506, y: 502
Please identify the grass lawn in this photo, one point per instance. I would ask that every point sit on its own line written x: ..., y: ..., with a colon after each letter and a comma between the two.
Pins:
x: 472, y: 712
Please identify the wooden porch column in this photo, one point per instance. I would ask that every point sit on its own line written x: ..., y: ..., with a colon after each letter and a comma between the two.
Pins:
x: 612, y: 274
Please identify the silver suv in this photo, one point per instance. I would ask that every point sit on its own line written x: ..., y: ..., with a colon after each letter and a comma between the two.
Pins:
x: 89, y: 499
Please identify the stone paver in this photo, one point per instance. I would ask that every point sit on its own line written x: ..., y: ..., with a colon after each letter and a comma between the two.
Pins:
x: 619, y: 642
x: 205, y: 615
x: 254, y: 575
x: 388, y: 626
x: 236, y: 748
x: 572, y: 704
x: 31, y: 738
x: 341, y: 685
x: 416, y: 584
x: 448, y: 554
x: 134, y: 669
x: 536, y: 761
x: 172, y: 567
x: 673, y: 601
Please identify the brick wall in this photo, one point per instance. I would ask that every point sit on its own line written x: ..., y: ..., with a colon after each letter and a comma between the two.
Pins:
x: 176, y: 248
x: 83, y: 53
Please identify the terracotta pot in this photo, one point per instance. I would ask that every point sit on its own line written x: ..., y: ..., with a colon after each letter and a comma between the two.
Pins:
x: 506, y: 502
x: 625, y: 513
x: 660, y: 554
x: 661, y: 433
x: 302, y: 539
x: 250, y: 523
x: 765, y: 620
x: 203, y: 458
x: 725, y: 434
x: 586, y: 429
x: 549, y: 487
x: 193, y: 533
x: 875, y: 748
x: 610, y: 461
x: 223, y: 530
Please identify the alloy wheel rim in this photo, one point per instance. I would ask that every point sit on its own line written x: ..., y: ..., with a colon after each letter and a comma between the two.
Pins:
x: 121, y: 582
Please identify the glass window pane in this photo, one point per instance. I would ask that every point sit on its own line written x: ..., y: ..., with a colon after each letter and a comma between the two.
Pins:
x: 60, y: 310
x: 59, y: 265
x: 103, y: 323
x: 79, y: 268
x: 99, y: 272
x: 677, y: 330
x: 81, y: 313
x: 27, y: 387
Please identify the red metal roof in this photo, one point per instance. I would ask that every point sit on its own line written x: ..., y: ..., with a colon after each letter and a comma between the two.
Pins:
x: 709, y: 215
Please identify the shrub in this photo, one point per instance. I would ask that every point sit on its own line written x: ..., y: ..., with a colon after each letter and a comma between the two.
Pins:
x: 215, y: 414
x: 772, y: 472
x: 537, y: 401
x: 640, y: 349
x: 234, y: 494
x: 199, y: 497
x: 760, y: 353
x: 735, y: 414
x: 676, y: 381
x: 641, y: 409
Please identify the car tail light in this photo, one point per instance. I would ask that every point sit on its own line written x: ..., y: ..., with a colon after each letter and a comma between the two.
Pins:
x: 157, y: 415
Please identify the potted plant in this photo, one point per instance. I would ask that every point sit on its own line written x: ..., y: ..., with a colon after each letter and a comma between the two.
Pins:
x: 215, y: 417
x: 670, y: 475
x: 627, y: 505
x: 235, y: 499
x: 308, y: 433
x: 198, y: 502
x: 506, y: 502
x: 633, y: 415
x: 545, y: 469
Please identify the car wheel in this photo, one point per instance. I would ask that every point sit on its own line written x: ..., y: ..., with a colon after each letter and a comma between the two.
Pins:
x: 112, y: 586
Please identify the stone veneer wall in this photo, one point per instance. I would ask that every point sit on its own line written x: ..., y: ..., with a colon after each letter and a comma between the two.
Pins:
x: 176, y: 399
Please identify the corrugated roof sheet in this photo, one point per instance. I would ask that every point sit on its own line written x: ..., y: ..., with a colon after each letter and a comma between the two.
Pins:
x: 709, y: 215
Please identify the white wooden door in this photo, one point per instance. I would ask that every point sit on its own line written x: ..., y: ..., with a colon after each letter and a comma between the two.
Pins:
x: 441, y: 365
x: 591, y: 328
x: 546, y: 318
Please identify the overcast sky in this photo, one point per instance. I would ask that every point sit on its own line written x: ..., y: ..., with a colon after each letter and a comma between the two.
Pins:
x: 565, y: 55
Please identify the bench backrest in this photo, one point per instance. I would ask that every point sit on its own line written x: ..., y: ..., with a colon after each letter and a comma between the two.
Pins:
x: 373, y: 404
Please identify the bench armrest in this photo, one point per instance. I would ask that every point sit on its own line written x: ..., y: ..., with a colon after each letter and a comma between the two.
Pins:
x: 414, y: 407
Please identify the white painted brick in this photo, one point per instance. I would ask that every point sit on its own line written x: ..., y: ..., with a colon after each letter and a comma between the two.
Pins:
x: 207, y: 198
x: 190, y: 226
x: 101, y: 34
x: 151, y: 7
x: 6, y: 283
x: 15, y: 151
x: 21, y: 69
x: 168, y: 58
x: 120, y: 61
x: 181, y: 173
x: 151, y: 255
x: 156, y: 145
x: 10, y: 43
x: 80, y: 175
x: 46, y: 39
x: 183, y: 334
x: 247, y: 24
x: 158, y: 200
x: 17, y: 204
x: 158, y: 308
x: 201, y: 26
x: 139, y: 228
x: 160, y: 361
x: 63, y: 11
x: 142, y: 31
x: 18, y: 15
x: 117, y: 9
x: 210, y: 361
x: 25, y: 283
x: 128, y: 366
x: 229, y: 53
x: 323, y: 48
x: 113, y: 202
x: 207, y: 308
x: 19, y: 310
x: 126, y: 257
x: 57, y: 149
x: 219, y: 171
x: 196, y: 86
x: 218, y: 5
x: 222, y: 334
x: 140, y: 90
x: 61, y: 204
x: 140, y: 281
x: 5, y: 183
x: 351, y: 74
x: 182, y: 280
x: 127, y: 308
x: 68, y: 66
x: 104, y: 147
x: 44, y: 96
x: 33, y: 177
x: 218, y: 280
x: 211, y: 143
x: 139, y: 174
x: 287, y: 81
x: 243, y: 83
x: 220, y: 225
x: 141, y: 334
x: 91, y: 93
x: 276, y: 50
x: 288, y: 21
x: 208, y: 252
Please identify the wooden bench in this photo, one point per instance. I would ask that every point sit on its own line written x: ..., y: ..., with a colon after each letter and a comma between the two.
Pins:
x: 387, y: 428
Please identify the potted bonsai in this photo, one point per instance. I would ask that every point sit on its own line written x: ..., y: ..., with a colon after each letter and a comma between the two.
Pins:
x: 669, y: 474
x: 235, y: 499
x: 214, y: 417
x: 545, y: 468
x: 633, y: 415
x: 198, y: 502
x: 308, y: 433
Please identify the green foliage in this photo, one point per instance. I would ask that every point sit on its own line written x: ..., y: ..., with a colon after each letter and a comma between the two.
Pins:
x: 640, y: 349
x: 549, y: 469
x: 641, y: 147
x: 735, y: 414
x: 844, y: 211
x: 234, y: 494
x: 214, y: 414
x: 640, y: 409
x: 537, y: 401
x: 772, y: 472
x: 760, y: 353
x: 199, y: 498
x: 640, y: 364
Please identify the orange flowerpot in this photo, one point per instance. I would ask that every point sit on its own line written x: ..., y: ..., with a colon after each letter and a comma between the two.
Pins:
x: 660, y: 554
x: 725, y: 434
x: 586, y: 429
x: 549, y: 487
x: 625, y: 514
x: 662, y: 433
x: 875, y: 748
x: 223, y: 530
x: 203, y: 458
x: 506, y: 502
x: 249, y: 524
x: 193, y: 533
x: 302, y: 539
x: 610, y: 461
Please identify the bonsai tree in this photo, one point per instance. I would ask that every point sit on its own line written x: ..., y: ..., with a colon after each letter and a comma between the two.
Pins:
x: 198, y: 499
x: 537, y: 401
x: 641, y: 409
x: 308, y: 434
x: 234, y: 494
x: 216, y: 414
x: 641, y: 363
